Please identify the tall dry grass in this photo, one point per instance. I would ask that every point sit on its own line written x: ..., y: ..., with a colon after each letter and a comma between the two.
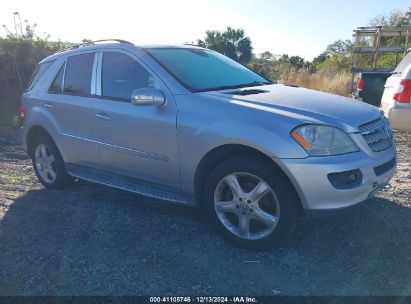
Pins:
x: 338, y: 83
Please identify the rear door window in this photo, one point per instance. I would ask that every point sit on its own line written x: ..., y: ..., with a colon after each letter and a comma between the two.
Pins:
x: 38, y: 73
x: 79, y: 69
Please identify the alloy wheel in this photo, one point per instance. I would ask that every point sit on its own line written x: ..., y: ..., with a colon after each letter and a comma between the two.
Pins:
x: 45, y: 163
x: 246, y: 205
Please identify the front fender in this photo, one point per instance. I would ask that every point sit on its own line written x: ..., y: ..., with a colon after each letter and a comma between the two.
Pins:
x: 262, y: 139
x: 193, y: 149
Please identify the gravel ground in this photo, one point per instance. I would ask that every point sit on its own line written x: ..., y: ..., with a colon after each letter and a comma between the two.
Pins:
x: 93, y: 240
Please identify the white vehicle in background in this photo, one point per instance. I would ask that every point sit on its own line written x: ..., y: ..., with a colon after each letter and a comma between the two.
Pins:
x: 397, y: 95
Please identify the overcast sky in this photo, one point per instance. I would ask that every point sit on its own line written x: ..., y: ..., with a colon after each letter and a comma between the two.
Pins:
x: 301, y: 28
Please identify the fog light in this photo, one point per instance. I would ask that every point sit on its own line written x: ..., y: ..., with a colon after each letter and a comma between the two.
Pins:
x: 353, y: 177
x: 346, y: 179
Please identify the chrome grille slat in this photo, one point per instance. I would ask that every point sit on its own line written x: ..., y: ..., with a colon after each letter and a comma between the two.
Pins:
x: 377, y: 134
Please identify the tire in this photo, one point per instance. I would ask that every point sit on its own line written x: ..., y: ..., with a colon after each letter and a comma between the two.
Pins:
x: 271, y: 210
x: 49, y: 167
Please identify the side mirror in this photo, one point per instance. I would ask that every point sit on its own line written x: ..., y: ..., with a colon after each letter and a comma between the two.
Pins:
x: 148, y: 96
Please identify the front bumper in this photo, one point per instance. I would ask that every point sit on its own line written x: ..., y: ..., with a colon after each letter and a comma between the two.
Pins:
x: 317, y: 194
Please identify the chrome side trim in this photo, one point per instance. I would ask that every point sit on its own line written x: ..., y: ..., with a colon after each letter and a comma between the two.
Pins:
x: 64, y: 75
x: 122, y: 149
x: 98, y: 73
x: 93, y: 75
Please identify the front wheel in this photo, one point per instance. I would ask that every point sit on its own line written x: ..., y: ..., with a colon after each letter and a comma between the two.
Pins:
x: 251, y: 202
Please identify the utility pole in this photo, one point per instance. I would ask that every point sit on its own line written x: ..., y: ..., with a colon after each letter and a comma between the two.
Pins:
x: 17, y: 23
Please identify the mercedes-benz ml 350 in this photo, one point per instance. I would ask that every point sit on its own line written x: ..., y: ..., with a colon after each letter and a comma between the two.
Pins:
x: 188, y: 125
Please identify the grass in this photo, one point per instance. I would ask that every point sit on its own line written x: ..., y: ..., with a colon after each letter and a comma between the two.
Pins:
x: 338, y: 83
x: 13, y: 177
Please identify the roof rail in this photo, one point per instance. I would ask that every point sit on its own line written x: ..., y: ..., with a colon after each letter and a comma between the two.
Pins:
x: 87, y: 43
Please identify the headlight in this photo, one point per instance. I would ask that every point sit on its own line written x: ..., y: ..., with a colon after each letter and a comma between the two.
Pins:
x: 321, y: 140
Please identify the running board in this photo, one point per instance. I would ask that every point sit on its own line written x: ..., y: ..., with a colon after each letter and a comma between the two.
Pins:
x: 131, y: 184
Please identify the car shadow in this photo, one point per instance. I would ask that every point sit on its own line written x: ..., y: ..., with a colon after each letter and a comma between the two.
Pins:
x: 93, y: 240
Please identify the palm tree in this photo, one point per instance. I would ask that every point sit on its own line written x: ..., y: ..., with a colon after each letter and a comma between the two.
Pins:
x: 233, y: 43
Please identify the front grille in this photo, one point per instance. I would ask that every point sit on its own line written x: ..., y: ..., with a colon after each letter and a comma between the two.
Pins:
x: 377, y: 134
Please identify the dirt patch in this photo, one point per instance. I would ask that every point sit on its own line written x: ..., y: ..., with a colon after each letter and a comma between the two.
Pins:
x: 93, y: 240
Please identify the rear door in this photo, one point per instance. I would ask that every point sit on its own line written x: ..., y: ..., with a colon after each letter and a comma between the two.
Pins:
x: 69, y: 99
x: 136, y: 141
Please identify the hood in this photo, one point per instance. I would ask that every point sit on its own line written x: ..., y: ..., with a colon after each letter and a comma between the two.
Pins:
x: 309, y: 106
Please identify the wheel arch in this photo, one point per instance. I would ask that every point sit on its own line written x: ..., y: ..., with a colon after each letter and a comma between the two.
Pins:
x: 227, y: 151
x: 33, y: 132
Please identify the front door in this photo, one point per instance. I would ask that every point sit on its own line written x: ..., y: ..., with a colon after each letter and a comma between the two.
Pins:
x: 136, y: 141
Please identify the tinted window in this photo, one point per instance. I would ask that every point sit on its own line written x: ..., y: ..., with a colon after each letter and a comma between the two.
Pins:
x: 38, y: 72
x: 78, y: 74
x: 121, y: 75
x: 57, y: 84
x: 203, y: 70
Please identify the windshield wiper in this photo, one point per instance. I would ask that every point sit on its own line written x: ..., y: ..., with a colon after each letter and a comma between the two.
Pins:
x: 238, y: 86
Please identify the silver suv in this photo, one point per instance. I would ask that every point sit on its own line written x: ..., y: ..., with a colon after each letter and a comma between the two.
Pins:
x: 188, y: 125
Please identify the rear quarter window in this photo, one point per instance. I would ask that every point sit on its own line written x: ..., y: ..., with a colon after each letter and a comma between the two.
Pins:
x: 57, y: 84
x: 40, y: 70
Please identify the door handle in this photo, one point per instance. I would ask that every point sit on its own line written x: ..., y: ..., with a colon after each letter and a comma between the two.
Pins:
x: 103, y: 116
x: 48, y: 105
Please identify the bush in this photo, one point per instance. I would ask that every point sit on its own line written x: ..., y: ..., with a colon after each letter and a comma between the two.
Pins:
x: 338, y: 83
x: 18, y: 59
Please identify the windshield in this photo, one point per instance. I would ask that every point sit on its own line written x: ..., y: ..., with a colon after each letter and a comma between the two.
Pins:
x: 205, y: 70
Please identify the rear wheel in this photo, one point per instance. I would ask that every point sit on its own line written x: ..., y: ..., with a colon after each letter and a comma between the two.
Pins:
x: 48, y: 163
x: 251, y: 203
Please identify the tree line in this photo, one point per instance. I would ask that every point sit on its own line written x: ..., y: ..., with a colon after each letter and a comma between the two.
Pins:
x: 336, y: 58
x: 19, y: 55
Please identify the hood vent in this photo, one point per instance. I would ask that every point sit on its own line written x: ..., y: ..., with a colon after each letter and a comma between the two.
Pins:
x: 291, y: 85
x: 246, y: 92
